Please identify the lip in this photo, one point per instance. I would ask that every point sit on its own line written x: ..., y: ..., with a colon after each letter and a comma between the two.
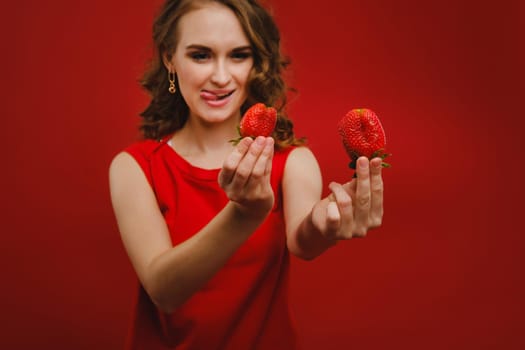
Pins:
x: 210, y: 97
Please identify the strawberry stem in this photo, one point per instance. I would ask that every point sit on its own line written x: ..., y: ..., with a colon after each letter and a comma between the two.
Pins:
x: 379, y: 153
x: 236, y: 141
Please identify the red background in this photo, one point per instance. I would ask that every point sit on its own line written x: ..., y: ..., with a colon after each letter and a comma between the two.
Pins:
x: 444, y: 272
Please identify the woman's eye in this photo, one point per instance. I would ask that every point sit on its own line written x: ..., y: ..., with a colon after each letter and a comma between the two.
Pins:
x: 241, y: 55
x: 199, y: 56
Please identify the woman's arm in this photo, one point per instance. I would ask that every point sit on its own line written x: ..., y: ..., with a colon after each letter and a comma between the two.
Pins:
x: 314, y: 224
x: 171, y: 274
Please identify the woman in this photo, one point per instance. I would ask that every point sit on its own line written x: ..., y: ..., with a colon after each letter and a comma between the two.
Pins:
x: 209, y: 226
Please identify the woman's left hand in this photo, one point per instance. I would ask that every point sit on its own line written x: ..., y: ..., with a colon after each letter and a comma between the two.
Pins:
x: 352, y: 209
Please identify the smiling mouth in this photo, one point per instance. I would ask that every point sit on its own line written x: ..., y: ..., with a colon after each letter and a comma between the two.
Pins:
x: 222, y: 97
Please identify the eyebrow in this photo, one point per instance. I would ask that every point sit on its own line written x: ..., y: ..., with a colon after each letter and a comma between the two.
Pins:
x: 205, y: 48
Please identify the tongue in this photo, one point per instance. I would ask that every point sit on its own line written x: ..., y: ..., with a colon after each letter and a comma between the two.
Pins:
x: 209, y: 96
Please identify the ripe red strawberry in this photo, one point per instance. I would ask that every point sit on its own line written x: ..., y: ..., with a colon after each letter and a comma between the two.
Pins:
x: 258, y: 120
x: 362, y: 135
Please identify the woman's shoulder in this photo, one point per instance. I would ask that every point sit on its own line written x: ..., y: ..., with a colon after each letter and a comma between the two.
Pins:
x: 144, y: 148
x: 301, y: 159
x: 293, y: 159
x: 299, y: 153
x: 138, y: 153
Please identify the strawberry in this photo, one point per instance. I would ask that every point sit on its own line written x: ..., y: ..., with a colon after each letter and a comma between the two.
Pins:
x: 362, y: 135
x: 258, y: 120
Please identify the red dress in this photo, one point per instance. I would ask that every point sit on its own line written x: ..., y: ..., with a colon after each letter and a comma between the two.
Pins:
x: 245, y: 305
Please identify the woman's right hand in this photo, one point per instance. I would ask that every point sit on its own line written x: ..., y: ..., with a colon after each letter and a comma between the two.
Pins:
x: 245, y: 176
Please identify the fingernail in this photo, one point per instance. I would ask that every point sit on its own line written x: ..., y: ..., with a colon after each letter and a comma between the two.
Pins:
x: 260, y: 140
x: 363, y: 163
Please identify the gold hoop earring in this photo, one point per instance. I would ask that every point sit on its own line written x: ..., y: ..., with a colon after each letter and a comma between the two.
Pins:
x: 171, y: 78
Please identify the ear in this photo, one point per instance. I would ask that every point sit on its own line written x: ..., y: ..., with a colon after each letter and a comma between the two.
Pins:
x: 166, y: 59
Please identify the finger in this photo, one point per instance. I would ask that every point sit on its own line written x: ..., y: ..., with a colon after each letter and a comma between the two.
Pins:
x: 269, y: 164
x: 350, y: 187
x: 264, y: 161
x: 232, y: 161
x: 344, y: 206
x: 333, y: 219
x: 246, y: 164
x: 376, y: 189
x: 362, y: 197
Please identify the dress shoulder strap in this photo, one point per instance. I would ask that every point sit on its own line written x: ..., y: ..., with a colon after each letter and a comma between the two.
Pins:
x: 142, y: 152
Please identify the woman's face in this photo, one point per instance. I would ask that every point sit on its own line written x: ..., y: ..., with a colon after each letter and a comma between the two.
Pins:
x: 212, y: 60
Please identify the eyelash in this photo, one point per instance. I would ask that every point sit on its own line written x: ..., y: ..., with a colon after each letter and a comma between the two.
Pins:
x: 241, y: 55
x: 202, y: 56
x: 199, y: 56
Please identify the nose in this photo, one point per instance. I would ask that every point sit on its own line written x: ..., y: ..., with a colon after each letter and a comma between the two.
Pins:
x: 221, y: 75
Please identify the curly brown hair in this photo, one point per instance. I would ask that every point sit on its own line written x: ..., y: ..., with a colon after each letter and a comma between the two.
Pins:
x: 168, y: 112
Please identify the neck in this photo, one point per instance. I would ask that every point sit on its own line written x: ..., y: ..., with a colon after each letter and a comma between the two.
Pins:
x: 205, y: 145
